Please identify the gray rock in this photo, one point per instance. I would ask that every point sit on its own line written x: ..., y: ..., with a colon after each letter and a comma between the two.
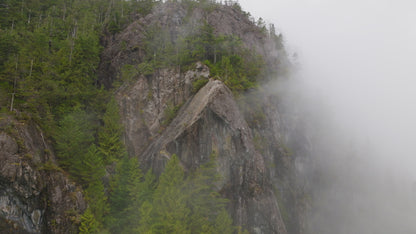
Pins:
x: 29, y: 201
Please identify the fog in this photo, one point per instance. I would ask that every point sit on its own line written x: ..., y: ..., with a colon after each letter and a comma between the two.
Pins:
x: 356, y: 86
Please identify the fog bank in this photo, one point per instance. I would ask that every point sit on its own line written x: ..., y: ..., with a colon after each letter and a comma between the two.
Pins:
x: 356, y: 86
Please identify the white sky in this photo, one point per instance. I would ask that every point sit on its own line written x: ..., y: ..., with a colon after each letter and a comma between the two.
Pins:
x: 361, y: 56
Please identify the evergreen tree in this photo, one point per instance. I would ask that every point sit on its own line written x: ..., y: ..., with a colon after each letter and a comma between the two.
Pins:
x: 73, y: 138
x: 223, y: 223
x: 146, y: 218
x: 128, y: 177
x: 205, y: 203
x: 88, y: 223
x: 97, y: 200
x: 92, y: 168
x: 109, y: 135
x: 183, y: 205
x: 141, y: 206
x: 170, y: 210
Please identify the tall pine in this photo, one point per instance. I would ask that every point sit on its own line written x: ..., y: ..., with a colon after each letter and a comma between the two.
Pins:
x: 109, y: 135
x: 128, y: 177
x: 73, y: 138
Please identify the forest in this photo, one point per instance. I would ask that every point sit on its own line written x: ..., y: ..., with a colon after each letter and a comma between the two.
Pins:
x: 49, y: 56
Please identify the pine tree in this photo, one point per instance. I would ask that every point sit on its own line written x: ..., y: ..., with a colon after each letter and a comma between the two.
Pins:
x: 146, y: 218
x: 109, y: 136
x: 97, y: 200
x: 223, y: 223
x: 170, y: 211
x: 88, y: 223
x: 92, y: 168
x: 128, y: 177
x: 73, y: 138
x: 205, y: 203
x: 141, y: 207
x: 185, y: 205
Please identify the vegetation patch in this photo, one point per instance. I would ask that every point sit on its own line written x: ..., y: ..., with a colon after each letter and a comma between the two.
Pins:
x: 50, y: 166
x: 170, y: 113
x: 198, y: 83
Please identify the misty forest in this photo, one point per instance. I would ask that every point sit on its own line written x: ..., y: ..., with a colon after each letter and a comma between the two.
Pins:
x: 147, y: 116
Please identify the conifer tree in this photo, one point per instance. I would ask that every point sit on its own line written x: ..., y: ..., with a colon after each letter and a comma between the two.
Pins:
x: 141, y: 207
x: 73, y: 137
x: 109, y: 136
x: 92, y: 168
x: 88, y: 223
x: 97, y: 200
x: 170, y: 212
x: 128, y: 177
x: 185, y: 205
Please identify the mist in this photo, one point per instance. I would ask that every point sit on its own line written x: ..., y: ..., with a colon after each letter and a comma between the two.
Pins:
x: 355, y: 87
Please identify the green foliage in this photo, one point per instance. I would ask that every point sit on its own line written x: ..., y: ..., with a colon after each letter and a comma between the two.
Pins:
x: 238, y: 67
x: 170, y: 113
x: 73, y: 138
x: 8, y: 46
x: 170, y: 212
x: 128, y: 73
x: 49, y: 54
x: 97, y: 200
x: 146, y: 68
x: 185, y: 205
x: 92, y: 168
x: 232, y: 71
x: 109, y: 135
x: 128, y: 178
x: 49, y: 166
x: 197, y: 84
x: 88, y: 223
x: 223, y: 223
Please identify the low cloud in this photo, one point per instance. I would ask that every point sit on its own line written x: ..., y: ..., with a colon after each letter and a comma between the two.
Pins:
x: 356, y: 84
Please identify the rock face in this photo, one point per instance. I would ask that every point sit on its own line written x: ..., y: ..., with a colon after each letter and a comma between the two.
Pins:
x: 127, y: 46
x: 279, y: 137
x: 143, y: 103
x: 35, y: 196
x: 211, y: 123
x: 163, y: 115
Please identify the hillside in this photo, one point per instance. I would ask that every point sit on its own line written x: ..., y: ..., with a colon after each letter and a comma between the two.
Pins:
x: 152, y: 117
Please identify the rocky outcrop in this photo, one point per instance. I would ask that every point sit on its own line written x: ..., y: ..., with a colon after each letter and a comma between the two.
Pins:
x: 35, y: 195
x: 164, y: 115
x: 127, y: 47
x: 211, y: 124
x: 143, y: 103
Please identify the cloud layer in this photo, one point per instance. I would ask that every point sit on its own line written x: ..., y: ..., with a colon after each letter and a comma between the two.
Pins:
x: 358, y: 68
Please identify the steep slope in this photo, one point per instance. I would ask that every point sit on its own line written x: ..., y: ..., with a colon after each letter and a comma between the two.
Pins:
x: 144, y: 102
x: 35, y: 195
x: 171, y: 22
x: 187, y: 78
x: 210, y: 123
x: 163, y: 115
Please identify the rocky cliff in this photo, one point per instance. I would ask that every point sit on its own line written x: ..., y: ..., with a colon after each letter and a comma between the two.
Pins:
x: 211, y: 123
x: 171, y: 102
x: 35, y: 195
x: 249, y: 135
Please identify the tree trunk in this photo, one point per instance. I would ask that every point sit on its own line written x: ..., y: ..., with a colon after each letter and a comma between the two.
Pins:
x: 11, y: 104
